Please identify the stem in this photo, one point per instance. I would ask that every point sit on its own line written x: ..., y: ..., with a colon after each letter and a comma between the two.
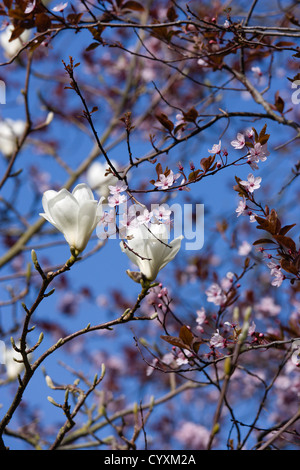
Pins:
x: 275, y: 436
x: 29, y: 369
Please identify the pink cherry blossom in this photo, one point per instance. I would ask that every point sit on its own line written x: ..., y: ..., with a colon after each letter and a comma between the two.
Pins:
x: 183, y: 358
x: 217, y: 341
x: 109, y: 217
x: 116, y: 200
x: 249, y: 133
x: 244, y: 249
x: 251, y: 329
x: 118, y: 188
x: 162, y: 214
x: 201, y: 317
x: 274, y: 267
x: 257, y: 72
x: 258, y: 153
x: 252, y: 164
x: 195, y: 436
x: 227, y: 281
x: 129, y: 221
x: 267, y: 306
x: 166, y: 182
x: 241, y: 208
x: 239, y: 143
x: 276, y: 272
x: 279, y: 277
x: 252, y: 183
x: 145, y: 218
x: 216, y: 148
x: 215, y: 294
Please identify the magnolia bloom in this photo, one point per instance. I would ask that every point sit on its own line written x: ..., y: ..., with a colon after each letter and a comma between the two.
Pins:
x: 150, y: 250
x: 11, y: 48
x: 10, y: 132
x: 13, y: 368
x: 75, y: 215
x: 98, y: 181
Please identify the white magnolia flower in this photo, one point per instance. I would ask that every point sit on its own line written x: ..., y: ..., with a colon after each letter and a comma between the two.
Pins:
x: 150, y: 249
x: 75, y: 215
x: 98, y: 181
x: 11, y: 48
x: 13, y: 368
x: 10, y: 132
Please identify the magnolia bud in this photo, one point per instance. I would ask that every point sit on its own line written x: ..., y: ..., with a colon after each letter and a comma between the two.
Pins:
x: 49, y: 382
x: 227, y: 365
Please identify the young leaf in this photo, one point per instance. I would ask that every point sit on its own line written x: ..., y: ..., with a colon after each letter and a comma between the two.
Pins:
x: 287, y: 242
x: 186, y: 335
x: 132, y: 5
x: 165, y: 121
x: 174, y: 341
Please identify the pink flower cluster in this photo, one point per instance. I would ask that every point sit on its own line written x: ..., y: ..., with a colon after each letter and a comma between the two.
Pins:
x: 165, y: 182
x: 256, y: 153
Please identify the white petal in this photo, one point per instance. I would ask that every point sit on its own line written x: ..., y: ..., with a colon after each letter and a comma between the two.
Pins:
x: 87, y: 221
x: 151, y: 250
x: 82, y: 193
x: 47, y: 196
x: 97, y: 180
x: 132, y: 256
x: 63, y: 209
x: 171, y: 253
